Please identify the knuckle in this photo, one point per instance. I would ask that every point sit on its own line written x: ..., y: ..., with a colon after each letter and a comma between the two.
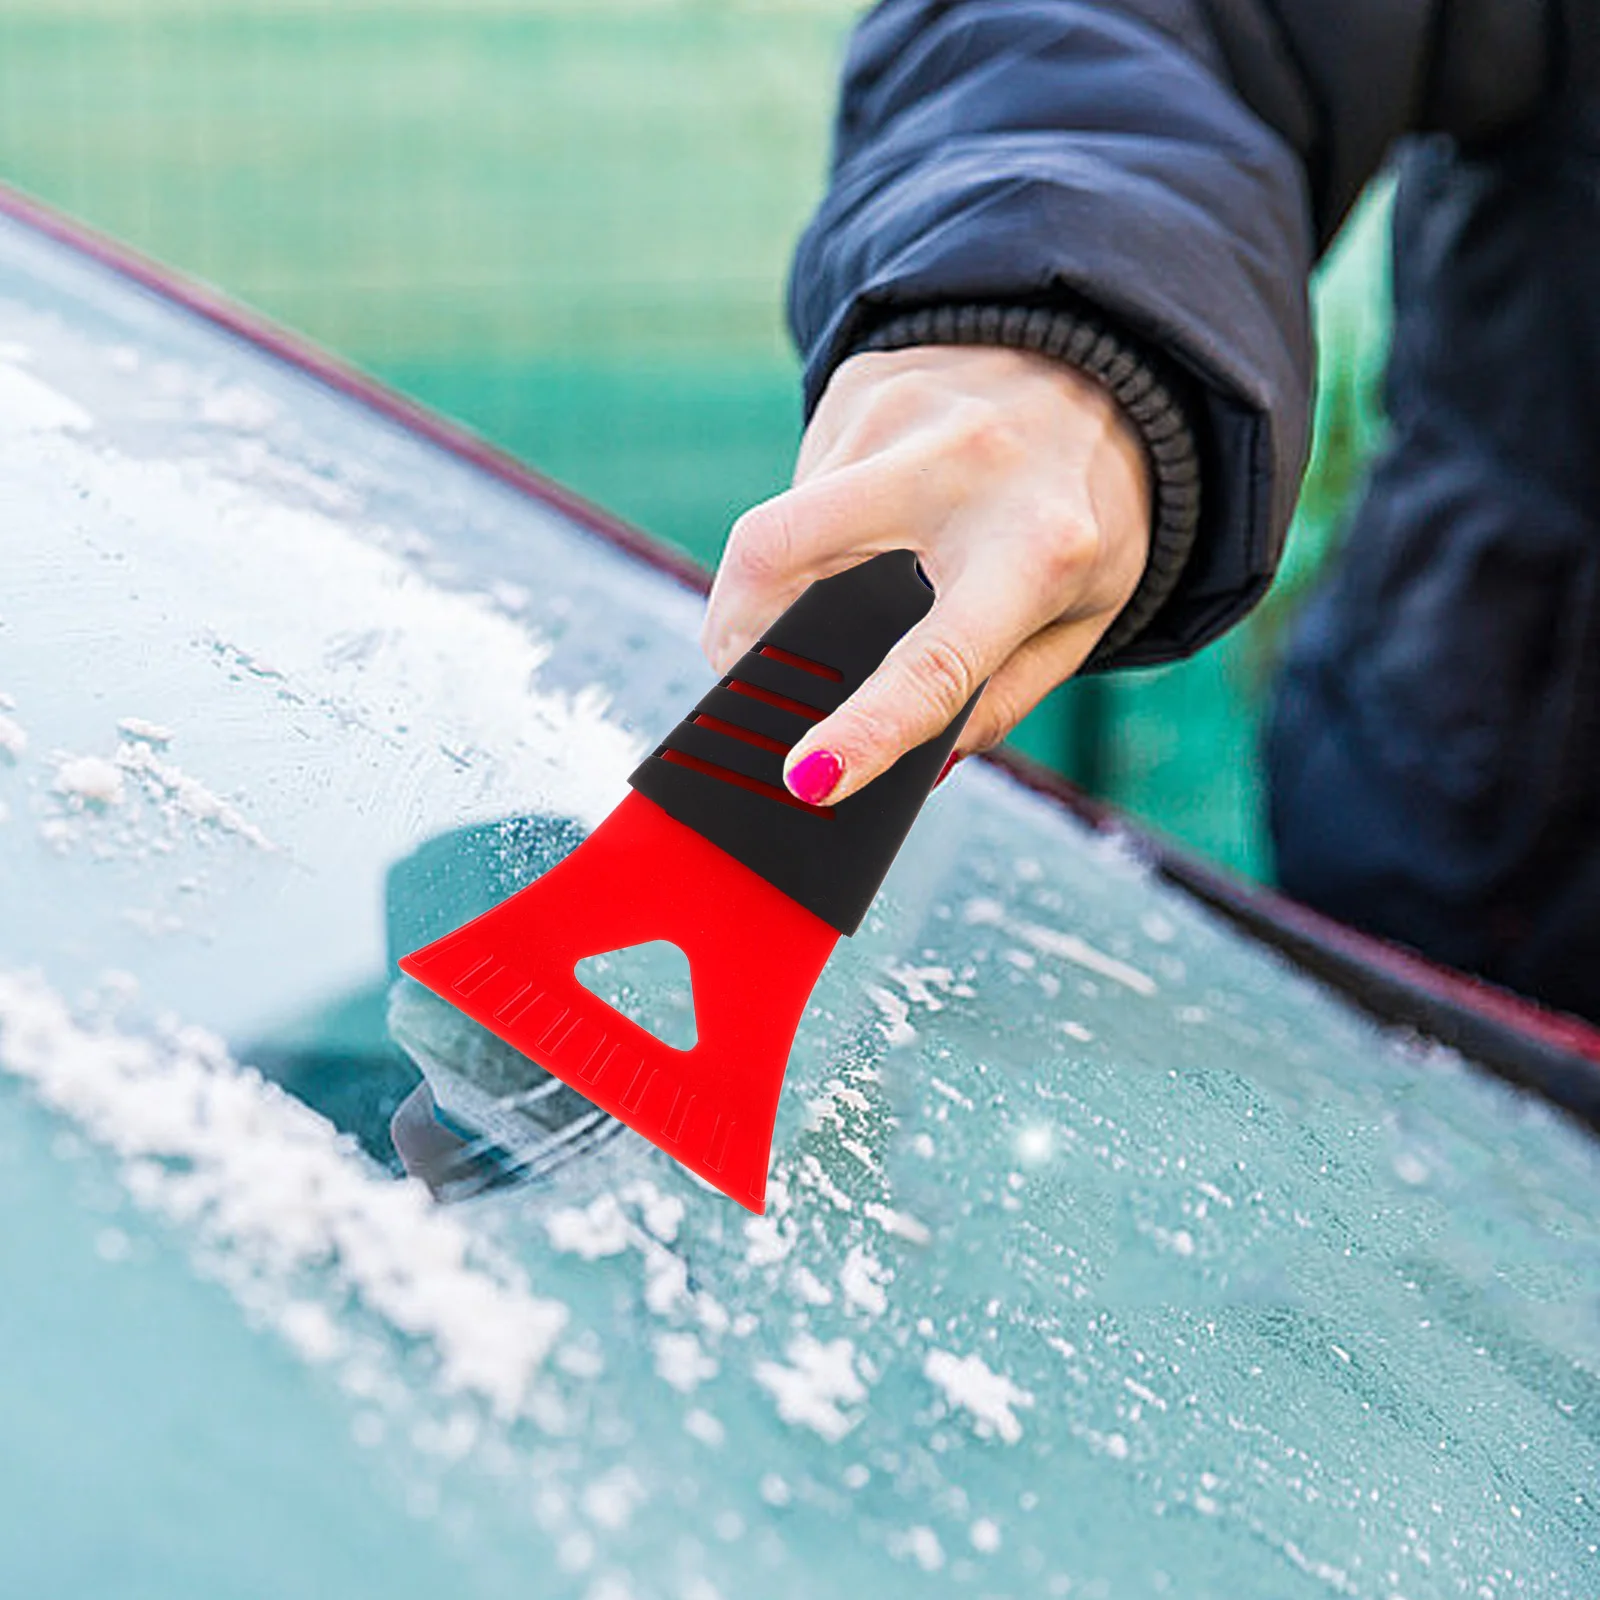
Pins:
x: 867, y: 368
x: 762, y: 544
x: 991, y: 436
x: 997, y: 714
x: 863, y: 731
x: 876, y: 727
x: 896, y: 402
x: 908, y: 701
x: 942, y: 676
x: 1067, y: 554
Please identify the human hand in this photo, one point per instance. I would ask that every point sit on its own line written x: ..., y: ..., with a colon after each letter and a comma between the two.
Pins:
x: 1025, y: 493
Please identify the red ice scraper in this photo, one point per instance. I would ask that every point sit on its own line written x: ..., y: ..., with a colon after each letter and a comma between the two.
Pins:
x: 713, y: 854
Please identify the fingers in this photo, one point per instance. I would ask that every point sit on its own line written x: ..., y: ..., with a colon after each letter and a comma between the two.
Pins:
x: 1023, y: 491
x: 835, y: 759
x: 921, y: 686
x: 893, y: 453
x: 784, y: 544
x: 1042, y: 664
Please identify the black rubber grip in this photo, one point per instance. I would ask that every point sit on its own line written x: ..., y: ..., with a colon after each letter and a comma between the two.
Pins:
x: 720, y: 771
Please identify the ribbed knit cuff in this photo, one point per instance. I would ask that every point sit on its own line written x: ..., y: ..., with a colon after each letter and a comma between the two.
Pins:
x: 1139, y: 384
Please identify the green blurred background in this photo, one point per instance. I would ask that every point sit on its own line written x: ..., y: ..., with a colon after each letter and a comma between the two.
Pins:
x: 566, y: 223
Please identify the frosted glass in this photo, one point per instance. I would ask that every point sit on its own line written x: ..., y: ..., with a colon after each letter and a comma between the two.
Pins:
x: 1105, y: 1256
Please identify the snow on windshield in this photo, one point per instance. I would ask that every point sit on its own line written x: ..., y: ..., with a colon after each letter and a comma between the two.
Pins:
x: 1104, y: 1256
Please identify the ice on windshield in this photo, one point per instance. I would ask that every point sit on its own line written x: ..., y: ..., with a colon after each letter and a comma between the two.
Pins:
x: 1104, y: 1255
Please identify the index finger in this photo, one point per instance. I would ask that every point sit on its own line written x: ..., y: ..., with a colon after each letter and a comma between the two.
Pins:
x: 811, y: 531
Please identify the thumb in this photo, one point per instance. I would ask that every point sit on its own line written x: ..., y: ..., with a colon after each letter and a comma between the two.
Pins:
x: 917, y: 692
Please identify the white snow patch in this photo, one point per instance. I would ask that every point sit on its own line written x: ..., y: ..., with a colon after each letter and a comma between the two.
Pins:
x: 661, y: 1213
x: 990, y: 1397
x: 836, y: 1098
x: 1411, y: 1168
x: 1069, y: 947
x: 810, y: 1288
x: 238, y: 406
x: 30, y: 405
x: 112, y: 1245
x: 985, y: 1535
x: 13, y: 738
x: 919, y: 983
x: 1143, y: 1392
x: 682, y: 1362
x: 712, y: 1313
x: 58, y: 833
x: 952, y: 1094
x: 165, y: 781
x: 611, y: 1586
x: 860, y: 1152
x: 277, y: 1195
x: 599, y: 1229
x: 922, y: 1545
x: 581, y: 1360
x: 446, y: 670
x: 815, y: 1176
x: 1335, y: 1577
x: 895, y: 1021
x: 767, y: 1240
x: 862, y: 1277
x: 512, y: 598
x: 575, y: 1551
x: 146, y: 732
x: 311, y: 1330
x: 89, y: 781
x: 898, y: 1223
x: 611, y: 1500
x: 987, y: 913
x: 706, y: 1428
x: 819, y: 1380
x: 666, y: 1279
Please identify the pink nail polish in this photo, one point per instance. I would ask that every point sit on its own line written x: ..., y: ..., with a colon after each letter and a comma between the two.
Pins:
x: 814, y: 777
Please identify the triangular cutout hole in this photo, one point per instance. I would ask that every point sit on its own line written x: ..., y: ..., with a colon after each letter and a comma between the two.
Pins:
x: 649, y: 984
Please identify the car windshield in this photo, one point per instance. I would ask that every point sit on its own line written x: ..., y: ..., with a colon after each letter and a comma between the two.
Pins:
x: 1104, y: 1254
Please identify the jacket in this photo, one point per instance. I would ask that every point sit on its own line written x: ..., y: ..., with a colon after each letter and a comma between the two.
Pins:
x: 1173, y: 168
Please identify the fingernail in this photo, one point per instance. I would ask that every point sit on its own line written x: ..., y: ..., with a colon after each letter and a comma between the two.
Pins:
x: 814, y: 777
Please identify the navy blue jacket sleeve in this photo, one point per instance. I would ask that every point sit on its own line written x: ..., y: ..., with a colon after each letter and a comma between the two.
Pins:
x: 1174, y: 166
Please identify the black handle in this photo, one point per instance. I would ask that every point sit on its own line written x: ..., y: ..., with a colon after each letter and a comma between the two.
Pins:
x: 720, y: 771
